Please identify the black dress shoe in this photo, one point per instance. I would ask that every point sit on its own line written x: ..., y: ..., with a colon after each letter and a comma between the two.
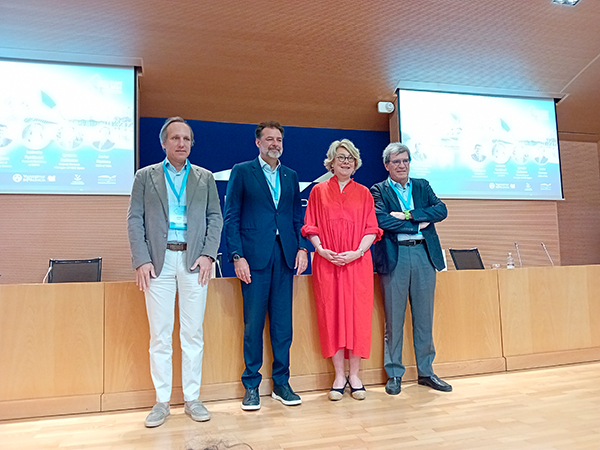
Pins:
x: 393, y: 385
x: 435, y: 383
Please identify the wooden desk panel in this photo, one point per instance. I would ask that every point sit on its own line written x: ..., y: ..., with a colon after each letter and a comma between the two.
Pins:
x: 53, y: 338
x: 550, y: 310
x: 50, y: 345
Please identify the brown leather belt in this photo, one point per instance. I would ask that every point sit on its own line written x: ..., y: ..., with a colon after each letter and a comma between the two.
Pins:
x: 411, y: 242
x: 177, y: 247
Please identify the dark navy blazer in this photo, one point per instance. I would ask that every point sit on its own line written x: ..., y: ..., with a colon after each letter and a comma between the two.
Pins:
x: 252, y: 220
x: 427, y: 208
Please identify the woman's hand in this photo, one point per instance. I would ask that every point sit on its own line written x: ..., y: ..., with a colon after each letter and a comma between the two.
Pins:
x: 348, y: 257
x: 330, y: 255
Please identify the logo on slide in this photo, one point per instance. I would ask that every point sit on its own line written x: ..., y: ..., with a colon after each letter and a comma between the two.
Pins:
x: 17, y: 177
x: 77, y: 180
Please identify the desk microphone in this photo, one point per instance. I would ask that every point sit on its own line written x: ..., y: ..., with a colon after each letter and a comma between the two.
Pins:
x: 519, y: 255
x: 547, y: 254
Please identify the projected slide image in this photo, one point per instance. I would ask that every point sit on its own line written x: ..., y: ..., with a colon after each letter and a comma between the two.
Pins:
x: 474, y: 146
x: 66, y: 129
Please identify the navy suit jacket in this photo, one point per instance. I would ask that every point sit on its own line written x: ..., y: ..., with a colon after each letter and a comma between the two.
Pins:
x: 252, y: 220
x: 428, y: 208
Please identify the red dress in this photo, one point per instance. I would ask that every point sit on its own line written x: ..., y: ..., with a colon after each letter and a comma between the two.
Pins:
x: 343, y: 294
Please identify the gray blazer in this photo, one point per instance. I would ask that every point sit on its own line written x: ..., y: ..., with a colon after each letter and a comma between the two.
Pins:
x: 148, y: 216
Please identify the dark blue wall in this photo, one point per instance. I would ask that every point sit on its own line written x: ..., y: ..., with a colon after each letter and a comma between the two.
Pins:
x: 218, y: 146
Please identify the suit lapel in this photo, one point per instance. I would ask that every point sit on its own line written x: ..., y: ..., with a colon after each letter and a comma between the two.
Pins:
x: 417, y: 193
x: 158, y: 180
x: 389, y: 190
x: 192, y: 182
x: 262, y: 181
x: 285, y: 185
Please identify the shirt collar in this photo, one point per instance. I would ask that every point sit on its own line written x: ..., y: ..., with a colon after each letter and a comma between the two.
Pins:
x: 398, y: 185
x: 266, y: 167
x: 171, y: 169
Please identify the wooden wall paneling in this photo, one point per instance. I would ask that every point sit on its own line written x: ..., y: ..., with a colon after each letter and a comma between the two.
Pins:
x: 579, y: 213
x: 549, y: 309
x: 494, y: 226
x: 35, y: 228
x: 51, y: 340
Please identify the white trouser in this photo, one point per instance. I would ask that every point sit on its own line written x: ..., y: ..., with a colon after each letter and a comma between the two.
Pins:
x: 160, y: 306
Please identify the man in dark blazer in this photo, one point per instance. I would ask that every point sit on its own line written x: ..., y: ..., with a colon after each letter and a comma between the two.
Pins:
x: 406, y: 259
x: 263, y: 217
x: 174, y: 224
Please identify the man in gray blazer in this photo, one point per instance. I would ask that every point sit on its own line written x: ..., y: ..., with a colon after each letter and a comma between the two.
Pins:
x: 174, y: 224
x: 406, y: 259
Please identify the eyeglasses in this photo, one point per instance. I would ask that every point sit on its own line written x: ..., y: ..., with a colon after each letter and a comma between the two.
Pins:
x: 397, y: 162
x: 344, y: 158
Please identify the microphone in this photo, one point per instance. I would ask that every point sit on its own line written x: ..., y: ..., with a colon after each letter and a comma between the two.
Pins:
x: 47, y: 274
x: 547, y: 254
x: 519, y: 255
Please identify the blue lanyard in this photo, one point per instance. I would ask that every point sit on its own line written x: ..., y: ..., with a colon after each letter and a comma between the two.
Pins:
x: 274, y: 188
x: 404, y: 204
x: 172, y: 185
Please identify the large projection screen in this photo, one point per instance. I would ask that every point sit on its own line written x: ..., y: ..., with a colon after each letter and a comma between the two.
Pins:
x: 481, y: 146
x: 66, y: 128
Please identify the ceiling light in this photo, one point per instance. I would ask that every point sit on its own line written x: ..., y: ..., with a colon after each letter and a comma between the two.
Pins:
x: 566, y: 2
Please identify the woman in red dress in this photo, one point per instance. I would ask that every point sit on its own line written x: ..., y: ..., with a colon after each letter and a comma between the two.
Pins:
x: 341, y: 224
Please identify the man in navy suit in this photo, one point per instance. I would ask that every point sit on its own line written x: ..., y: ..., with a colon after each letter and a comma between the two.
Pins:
x: 406, y: 259
x: 263, y: 217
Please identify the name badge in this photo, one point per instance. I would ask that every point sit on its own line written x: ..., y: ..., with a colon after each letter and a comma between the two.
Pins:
x: 178, y: 218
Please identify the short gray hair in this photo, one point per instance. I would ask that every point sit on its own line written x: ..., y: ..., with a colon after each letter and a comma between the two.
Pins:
x: 395, y: 148
x: 346, y: 144
x: 163, y: 131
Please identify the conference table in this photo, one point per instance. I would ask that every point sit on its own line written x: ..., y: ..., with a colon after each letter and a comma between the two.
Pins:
x: 83, y: 347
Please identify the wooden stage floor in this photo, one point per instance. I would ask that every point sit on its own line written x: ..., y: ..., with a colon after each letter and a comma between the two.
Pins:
x: 542, y: 409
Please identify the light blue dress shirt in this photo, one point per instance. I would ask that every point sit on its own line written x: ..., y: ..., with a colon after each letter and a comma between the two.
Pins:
x: 405, y: 200
x: 177, y: 178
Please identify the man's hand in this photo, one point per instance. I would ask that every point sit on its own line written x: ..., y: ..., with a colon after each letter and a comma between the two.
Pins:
x: 398, y: 215
x: 423, y: 225
x: 242, y: 270
x: 205, y: 264
x: 143, y: 275
x: 301, y: 262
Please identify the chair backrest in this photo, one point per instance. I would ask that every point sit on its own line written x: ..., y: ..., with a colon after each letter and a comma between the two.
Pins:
x: 468, y: 259
x: 74, y: 270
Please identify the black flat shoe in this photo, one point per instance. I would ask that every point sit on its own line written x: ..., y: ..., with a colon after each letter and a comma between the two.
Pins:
x: 357, y: 393
x: 336, y: 394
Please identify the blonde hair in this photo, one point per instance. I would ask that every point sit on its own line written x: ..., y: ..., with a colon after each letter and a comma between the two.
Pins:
x: 345, y: 144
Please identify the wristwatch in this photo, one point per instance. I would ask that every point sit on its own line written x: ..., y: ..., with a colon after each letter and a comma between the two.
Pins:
x: 236, y: 257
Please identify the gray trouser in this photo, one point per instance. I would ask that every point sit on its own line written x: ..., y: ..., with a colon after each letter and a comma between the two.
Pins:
x: 414, y: 279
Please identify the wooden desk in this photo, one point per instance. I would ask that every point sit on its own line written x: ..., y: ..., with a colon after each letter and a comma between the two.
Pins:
x: 69, y: 348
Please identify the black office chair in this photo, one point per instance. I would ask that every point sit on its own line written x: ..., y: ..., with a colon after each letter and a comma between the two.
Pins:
x: 468, y: 259
x: 74, y: 270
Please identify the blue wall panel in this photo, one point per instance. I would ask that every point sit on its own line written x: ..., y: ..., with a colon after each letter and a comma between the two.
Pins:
x: 218, y: 146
